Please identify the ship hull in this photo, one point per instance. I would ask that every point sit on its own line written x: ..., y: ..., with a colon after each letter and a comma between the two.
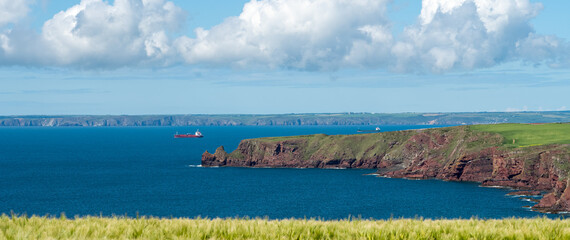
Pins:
x: 186, y: 136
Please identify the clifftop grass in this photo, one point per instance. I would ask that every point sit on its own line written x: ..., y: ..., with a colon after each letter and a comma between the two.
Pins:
x: 441, y: 144
x: 528, y: 135
x: 355, y: 146
x: 154, y: 228
x: 524, y: 135
x: 363, y: 146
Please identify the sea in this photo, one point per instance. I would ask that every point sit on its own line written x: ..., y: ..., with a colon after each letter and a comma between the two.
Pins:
x: 145, y: 171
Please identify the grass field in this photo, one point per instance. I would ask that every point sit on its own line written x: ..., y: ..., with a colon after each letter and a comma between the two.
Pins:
x: 154, y: 228
x: 526, y: 135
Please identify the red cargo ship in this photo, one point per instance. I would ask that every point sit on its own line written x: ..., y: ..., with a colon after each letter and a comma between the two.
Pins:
x: 197, y: 134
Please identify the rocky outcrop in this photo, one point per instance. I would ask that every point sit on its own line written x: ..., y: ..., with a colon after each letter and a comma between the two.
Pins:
x: 525, y: 193
x: 453, y: 154
x: 556, y: 201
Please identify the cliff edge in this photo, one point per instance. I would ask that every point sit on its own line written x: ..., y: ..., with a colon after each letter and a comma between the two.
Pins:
x: 483, y: 153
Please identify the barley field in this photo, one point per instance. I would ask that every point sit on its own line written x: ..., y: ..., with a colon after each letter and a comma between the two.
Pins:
x: 22, y: 227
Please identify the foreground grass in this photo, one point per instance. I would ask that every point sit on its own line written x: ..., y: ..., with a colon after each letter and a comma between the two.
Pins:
x: 154, y: 228
x: 526, y: 135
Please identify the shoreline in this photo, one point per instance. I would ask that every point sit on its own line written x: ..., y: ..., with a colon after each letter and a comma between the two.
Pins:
x: 462, y: 154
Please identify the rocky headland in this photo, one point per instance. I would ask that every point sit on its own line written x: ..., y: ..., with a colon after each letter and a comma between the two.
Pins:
x: 462, y: 153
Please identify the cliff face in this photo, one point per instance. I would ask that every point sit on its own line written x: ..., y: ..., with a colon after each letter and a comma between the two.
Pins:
x: 454, y: 154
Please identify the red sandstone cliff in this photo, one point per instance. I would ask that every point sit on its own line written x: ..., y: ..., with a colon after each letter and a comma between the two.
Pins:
x: 454, y: 154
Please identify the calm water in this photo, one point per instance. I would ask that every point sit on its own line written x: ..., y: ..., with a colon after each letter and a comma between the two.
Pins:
x: 93, y: 171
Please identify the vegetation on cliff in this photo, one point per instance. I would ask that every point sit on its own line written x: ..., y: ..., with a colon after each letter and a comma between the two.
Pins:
x: 441, y: 144
x: 525, y: 135
x: 538, y: 158
x: 362, y: 150
x: 155, y: 228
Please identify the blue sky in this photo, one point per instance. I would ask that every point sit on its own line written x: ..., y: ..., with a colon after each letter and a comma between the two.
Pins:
x: 268, y: 56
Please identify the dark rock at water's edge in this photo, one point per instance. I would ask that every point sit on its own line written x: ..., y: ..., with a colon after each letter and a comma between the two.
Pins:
x: 525, y: 193
x: 452, y: 154
x: 374, y: 119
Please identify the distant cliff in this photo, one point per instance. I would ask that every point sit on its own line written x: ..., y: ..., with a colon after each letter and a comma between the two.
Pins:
x: 287, y: 119
x: 455, y: 154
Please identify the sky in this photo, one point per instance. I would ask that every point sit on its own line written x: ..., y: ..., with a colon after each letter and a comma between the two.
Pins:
x: 282, y: 56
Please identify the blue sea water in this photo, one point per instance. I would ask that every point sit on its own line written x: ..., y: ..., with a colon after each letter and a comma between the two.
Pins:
x: 145, y: 171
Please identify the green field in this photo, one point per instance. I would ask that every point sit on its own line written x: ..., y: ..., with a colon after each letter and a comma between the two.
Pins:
x: 154, y: 228
x: 526, y: 135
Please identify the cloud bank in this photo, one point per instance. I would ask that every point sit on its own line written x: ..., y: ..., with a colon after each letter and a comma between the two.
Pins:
x: 314, y: 35
x: 13, y: 11
x: 296, y: 34
x: 95, y: 34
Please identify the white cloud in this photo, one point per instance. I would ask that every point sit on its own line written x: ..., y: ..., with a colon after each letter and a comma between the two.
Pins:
x: 373, y: 50
x: 495, y: 14
x: 471, y: 34
x: 13, y: 10
x: 431, y: 7
x: 95, y: 34
x: 300, y: 34
x: 324, y: 35
x: 548, y: 49
x: 315, y: 35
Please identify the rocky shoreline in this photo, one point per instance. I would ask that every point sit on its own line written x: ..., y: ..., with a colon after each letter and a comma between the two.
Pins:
x: 451, y: 154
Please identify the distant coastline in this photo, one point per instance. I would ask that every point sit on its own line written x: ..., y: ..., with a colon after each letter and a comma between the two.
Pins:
x: 465, y: 118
